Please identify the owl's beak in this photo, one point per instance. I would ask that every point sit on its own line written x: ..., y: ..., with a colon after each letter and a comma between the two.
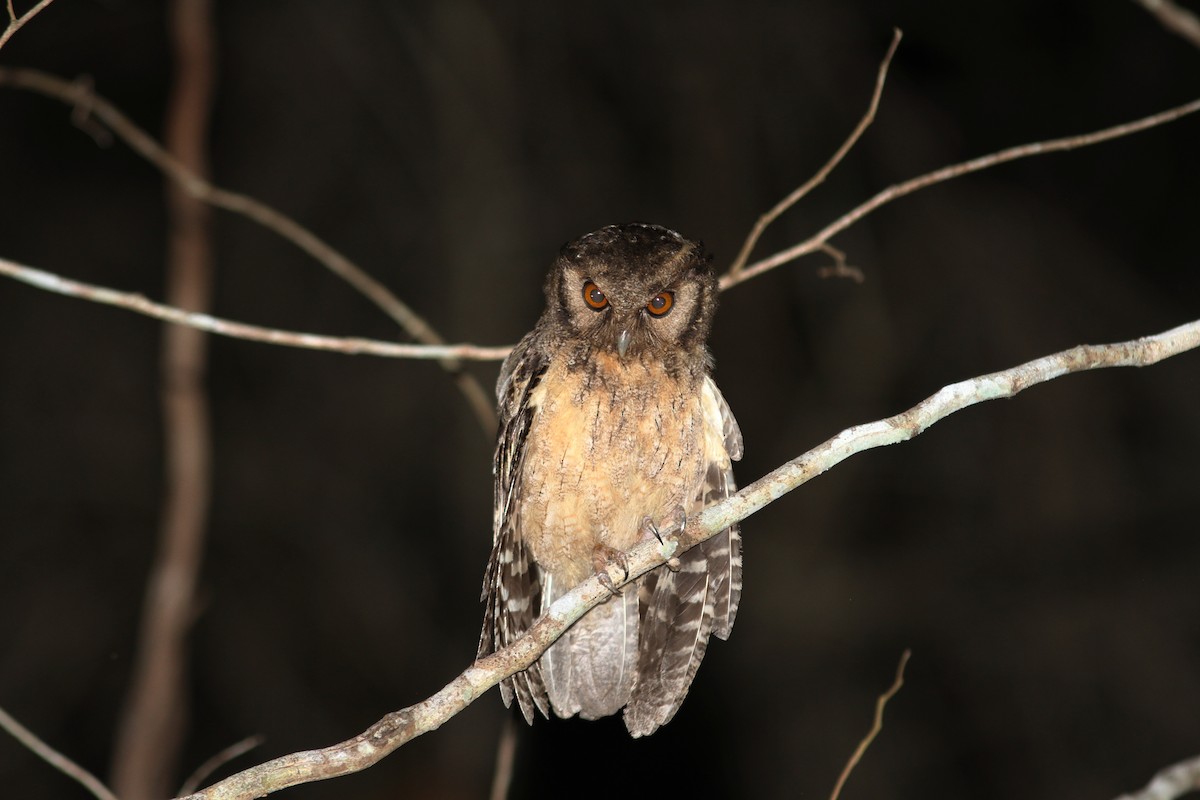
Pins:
x: 623, y: 342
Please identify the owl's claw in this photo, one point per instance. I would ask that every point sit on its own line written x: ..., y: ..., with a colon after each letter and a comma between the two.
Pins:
x: 678, y: 519
x: 677, y: 522
x: 602, y: 555
x: 648, y: 526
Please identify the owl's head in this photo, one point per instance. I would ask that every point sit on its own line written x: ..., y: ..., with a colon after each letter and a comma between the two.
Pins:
x: 635, y: 290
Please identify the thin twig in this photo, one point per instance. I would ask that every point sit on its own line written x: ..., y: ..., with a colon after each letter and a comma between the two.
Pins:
x: 15, y: 22
x: 953, y: 171
x: 399, y: 727
x: 154, y: 718
x: 80, y: 95
x: 876, y: 726
x: 219, y: 760
x: 54, y: 758
x: 766, y: 219
x: 239, y: 330
x: 1174, y: 18
x: 840, y: 268
x: 1170, y: 783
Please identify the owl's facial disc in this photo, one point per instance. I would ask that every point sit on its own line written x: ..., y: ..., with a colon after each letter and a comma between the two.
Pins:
x: 638, y: 292
x: 628, y: 317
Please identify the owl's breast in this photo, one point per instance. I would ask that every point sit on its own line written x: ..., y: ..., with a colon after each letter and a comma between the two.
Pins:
x: 609, y: 445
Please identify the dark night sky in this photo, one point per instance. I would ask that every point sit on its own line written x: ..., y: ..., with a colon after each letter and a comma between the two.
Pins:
x: 1039, y: 555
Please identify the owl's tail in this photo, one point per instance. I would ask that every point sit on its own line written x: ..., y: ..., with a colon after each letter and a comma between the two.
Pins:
x: 590, y: 670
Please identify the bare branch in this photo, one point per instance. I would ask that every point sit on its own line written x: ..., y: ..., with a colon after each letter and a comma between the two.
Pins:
x: 80, y: 95
x: 840, y: 268
x: 53, y: 757
x: 239, y: 330
x: 876, y: 726
x: 399, y: 727
x: 154, y: 717
x: 899, y: 190
x: 16, y: 22
x: 219, y: 760
x: 506, y: 753
x: 766, y: 219
x: 1172, y: 782
x: 1174, y: 18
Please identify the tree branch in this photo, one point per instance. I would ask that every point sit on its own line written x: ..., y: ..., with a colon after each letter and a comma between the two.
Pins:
x: 876, y: 726
x: 205, y: 770
x: 79, y: 94
x: 399, y: 727
x: 1174, y: 18
x: 506, y: 753
x: 15, y: 22
x: 154, y: 718
x: 766, y: 219
x: 54, y: 758
x: 239, y: 330
x: 899, y: 190
x: 1172, y: 782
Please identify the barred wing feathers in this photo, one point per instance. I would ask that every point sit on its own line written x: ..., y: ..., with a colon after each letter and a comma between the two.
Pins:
x: 684, y: 607
x: 511, y: 586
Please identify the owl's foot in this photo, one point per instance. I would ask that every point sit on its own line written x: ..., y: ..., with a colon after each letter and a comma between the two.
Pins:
x: 602, y: 556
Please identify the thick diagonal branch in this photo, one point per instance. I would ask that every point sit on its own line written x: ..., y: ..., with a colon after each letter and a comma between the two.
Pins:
x: 399, y: 727
x: 1170, y: 783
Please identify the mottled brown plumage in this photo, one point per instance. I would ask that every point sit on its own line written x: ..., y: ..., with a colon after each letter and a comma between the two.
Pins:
x: 609, y: 417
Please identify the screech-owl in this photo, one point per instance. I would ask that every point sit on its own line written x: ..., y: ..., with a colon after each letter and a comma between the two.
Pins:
x: 609, y: 424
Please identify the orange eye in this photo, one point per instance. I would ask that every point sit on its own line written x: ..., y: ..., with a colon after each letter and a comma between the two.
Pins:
x: 594, y: 297
x: 661, y: 304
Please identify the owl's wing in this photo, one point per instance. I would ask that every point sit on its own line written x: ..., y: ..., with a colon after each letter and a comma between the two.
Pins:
x: 723, y: 551
x: 686, y: 606
x: 511, y: 589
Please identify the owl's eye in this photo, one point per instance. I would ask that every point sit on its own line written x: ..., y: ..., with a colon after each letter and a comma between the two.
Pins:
x: 661, y: 304
x: 594, y: 298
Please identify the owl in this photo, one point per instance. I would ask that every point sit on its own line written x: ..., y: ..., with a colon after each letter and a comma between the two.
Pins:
x: 611, y: 425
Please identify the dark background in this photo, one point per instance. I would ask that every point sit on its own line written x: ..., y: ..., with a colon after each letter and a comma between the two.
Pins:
x: 1039, y: 556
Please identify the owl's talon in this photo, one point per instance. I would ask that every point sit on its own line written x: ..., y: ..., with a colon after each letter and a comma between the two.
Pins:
x: 675, y: 524
x: 648, y: 526
x: 602, y: 555
x: 607, y: 583
x: 678, y: 520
